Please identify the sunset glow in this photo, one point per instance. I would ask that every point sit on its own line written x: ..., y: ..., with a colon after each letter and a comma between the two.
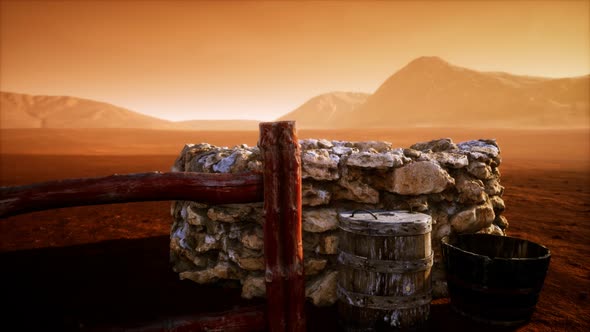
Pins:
x: 260, y: 60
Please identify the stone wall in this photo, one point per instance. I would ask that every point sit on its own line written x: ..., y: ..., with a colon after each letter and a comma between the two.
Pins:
x: 457, y: 184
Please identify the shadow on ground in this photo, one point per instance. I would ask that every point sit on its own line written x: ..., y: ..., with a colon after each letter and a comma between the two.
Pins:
x: 126, y: 284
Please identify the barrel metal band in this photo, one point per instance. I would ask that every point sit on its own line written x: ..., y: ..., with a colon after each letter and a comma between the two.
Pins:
x: 384, y: 302
x: 385, y: 228
x: 385, y: 266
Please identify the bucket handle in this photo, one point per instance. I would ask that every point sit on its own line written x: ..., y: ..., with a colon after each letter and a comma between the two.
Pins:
x: 369, y: 212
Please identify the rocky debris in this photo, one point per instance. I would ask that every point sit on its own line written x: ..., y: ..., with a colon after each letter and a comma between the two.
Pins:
x: 222, y: 270
x: 492, y: 229
x: 480, y: 149
x: 353, y: 188
x: 480, y: 170
x: 314, y: 195
x: 253, y: 287
x: 501, y: 221
x: 319, y: 164
x: 450, y: 159
x: 375, y: 146
x: 497, y: 203
x: 471, y: 191
x: 252, y: 238
x: 458, y: 185
x: 473, y: 219
x: 422, y: 177
x: 443, y: 144
x: 229, y: 213
x: 322, y: 291
x: 328, y: 244
x: 319, y: 220
x: 367, y: 159
x: 313, y: 266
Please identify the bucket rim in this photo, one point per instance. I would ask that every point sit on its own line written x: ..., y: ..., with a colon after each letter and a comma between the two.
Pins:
x: 445, y: 242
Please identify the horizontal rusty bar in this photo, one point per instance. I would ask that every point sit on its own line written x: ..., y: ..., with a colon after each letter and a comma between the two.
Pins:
x: 213, y: 188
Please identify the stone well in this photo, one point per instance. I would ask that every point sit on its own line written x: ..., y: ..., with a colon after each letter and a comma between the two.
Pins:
x: 457, y: 184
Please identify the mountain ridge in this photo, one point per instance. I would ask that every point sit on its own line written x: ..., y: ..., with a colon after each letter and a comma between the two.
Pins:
x: 321, y: 110
x: 429, y: 91
x: 19, y: 110
x: 426, y: 92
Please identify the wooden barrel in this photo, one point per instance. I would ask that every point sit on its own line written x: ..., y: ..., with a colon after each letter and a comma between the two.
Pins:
x: 494, y: 279
x: 384, y: 262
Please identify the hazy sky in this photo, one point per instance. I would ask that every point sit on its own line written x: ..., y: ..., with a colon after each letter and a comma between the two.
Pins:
x: 259, y: 60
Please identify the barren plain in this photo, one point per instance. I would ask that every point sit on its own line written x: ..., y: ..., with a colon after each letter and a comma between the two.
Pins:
x: 88, y: 267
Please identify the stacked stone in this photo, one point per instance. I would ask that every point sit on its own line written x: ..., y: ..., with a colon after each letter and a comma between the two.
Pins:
x: 457, y: 184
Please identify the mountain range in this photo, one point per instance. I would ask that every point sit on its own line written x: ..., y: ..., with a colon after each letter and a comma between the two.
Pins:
x: 26, y: 111
x: 431, y: 92
x: 427, y: 92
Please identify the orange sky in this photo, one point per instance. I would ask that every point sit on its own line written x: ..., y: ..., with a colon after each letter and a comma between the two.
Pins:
x: 259, y: 60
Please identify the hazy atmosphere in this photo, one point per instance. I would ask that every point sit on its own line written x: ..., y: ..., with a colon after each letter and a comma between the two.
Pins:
x: 188, y: 60
x: 476, y: 113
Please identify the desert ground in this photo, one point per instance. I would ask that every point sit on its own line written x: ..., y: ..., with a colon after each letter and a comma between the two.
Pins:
x: 97, y: 266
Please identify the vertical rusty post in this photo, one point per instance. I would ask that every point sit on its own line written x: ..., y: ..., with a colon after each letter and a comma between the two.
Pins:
x: 283, y: 245
x: 290, y: 181
x: 274, y: 274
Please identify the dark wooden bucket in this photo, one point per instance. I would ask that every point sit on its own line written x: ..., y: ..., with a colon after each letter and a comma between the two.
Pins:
x: 385, y: 260
x: 494, y: 279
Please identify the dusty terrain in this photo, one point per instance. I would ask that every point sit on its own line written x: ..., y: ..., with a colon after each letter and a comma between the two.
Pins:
x: 87, y: 266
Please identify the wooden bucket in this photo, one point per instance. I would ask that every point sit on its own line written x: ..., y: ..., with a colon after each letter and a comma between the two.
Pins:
x: 494, y: 279
x: 385, y: 260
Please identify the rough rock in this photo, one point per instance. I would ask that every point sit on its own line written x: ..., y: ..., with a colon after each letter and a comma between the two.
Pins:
x: 311, y: 241
x: 196, y: 217
x: 247, y: 259
x: 253, y: 287
x: 480, y: 170
x: 493, y: 187
x: 501, y: 221
x: 480, y: 149
x: 443, y: 144
x: 319, y: 220
x: 492, y: 229
x: 229, y: 212
x: 411, y: 153
x: 322, y: 291
x: 441, y: 230
x: 313, y: 266
x: 328, y: 244
x: 319, y: 165
x: 253, y: 238
x: 367, y: 159
x: 471, y: 191
x: 235, y: 162
x: 353, y: 188
x: 450, y: 159
x: 399, y: 202
x: 419, y: 178
x: 498, y: 203
x: 222, y: 270
x: 473, y: 219
x: 343, y: 150
x: 206, y: 242
x: 314, y: 196
x: 376, y: 146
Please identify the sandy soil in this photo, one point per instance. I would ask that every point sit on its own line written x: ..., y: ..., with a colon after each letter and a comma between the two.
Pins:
x: 96, y: 265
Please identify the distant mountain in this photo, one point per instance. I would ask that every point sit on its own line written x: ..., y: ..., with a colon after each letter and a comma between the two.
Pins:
x: 431, y: 92
x: 324, y: 110
x: 27, y: 111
